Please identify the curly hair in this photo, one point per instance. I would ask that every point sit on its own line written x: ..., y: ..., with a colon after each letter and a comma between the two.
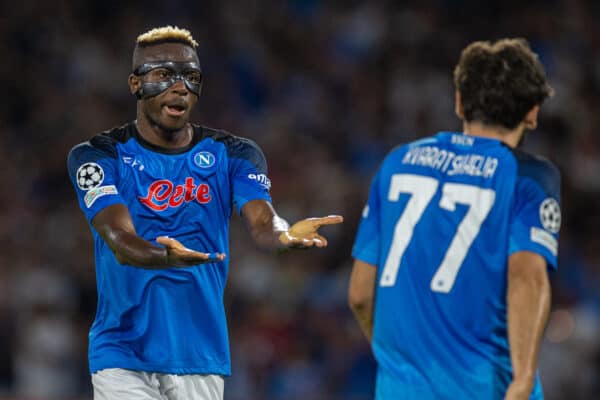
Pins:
x: 500, y: 82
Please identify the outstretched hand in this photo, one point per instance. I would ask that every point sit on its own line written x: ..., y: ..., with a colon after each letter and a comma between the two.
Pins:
x: 304, y: 233
x: 180, y: 256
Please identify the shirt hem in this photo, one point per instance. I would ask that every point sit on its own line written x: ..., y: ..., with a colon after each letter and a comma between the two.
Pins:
x: 207, y: 369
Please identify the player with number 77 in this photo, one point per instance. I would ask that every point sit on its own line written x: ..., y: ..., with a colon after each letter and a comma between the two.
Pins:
x: 450, y: 278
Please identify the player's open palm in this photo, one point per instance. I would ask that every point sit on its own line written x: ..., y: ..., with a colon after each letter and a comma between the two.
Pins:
x: 304, y: 233
x: 180, y: 256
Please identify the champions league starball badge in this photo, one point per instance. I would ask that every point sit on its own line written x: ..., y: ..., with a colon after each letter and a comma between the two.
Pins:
x: 89, y: 175
x: 550, y: 215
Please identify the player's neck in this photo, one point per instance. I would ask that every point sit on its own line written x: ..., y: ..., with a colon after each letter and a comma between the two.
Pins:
x: 154, y: 134
x: 510, y: 137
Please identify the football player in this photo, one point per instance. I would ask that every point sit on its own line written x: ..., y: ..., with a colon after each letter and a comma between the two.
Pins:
x: 450, y: 279
x: 158, y: 193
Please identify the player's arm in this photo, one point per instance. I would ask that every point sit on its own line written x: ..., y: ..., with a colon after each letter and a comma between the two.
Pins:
x: 361, y: 295
x: 115, y: 226
x: 528, y: 300
x: 361, y: 289
x: 270, y: 231
x: 533, y: 250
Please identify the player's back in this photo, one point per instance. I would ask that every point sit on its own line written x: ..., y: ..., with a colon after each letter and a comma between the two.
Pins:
x: 443, y: 212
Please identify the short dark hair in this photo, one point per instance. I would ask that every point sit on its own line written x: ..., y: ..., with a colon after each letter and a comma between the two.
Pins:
x: 500, y: 82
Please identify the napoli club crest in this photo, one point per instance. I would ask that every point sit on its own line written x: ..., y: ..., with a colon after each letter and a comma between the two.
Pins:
x: 204, y: 159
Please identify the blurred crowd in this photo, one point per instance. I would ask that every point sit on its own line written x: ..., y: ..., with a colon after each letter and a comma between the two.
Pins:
x: 326, y: 88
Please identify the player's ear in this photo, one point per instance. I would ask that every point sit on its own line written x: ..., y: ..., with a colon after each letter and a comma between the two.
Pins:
x: 134, y: 83
x: 531, y: 117
x: 458, y: 107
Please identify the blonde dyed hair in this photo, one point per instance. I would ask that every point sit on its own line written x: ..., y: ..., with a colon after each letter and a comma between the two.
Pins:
x: 166, y: 34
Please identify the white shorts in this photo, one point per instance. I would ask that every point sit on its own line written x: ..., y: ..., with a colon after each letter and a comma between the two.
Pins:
x: 119, y: 384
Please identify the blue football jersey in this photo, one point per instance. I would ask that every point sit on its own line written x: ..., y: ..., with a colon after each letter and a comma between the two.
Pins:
x: 443, y: 216
x: 170, y: 320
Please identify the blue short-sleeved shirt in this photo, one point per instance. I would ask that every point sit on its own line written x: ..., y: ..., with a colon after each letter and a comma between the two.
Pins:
x: 170, y: 320
x: 443, y: 216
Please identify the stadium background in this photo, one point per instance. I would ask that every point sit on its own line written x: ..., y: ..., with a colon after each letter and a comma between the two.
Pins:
x: 326, y: 88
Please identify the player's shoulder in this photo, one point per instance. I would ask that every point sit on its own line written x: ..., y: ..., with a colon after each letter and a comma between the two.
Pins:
x: 400, y: 150
x: 103, y: 144
x: 233, y: 143
x: 539, y: 169
x: 237, y: 146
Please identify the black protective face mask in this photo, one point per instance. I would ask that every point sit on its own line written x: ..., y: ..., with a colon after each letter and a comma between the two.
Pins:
x: 161, y: 75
